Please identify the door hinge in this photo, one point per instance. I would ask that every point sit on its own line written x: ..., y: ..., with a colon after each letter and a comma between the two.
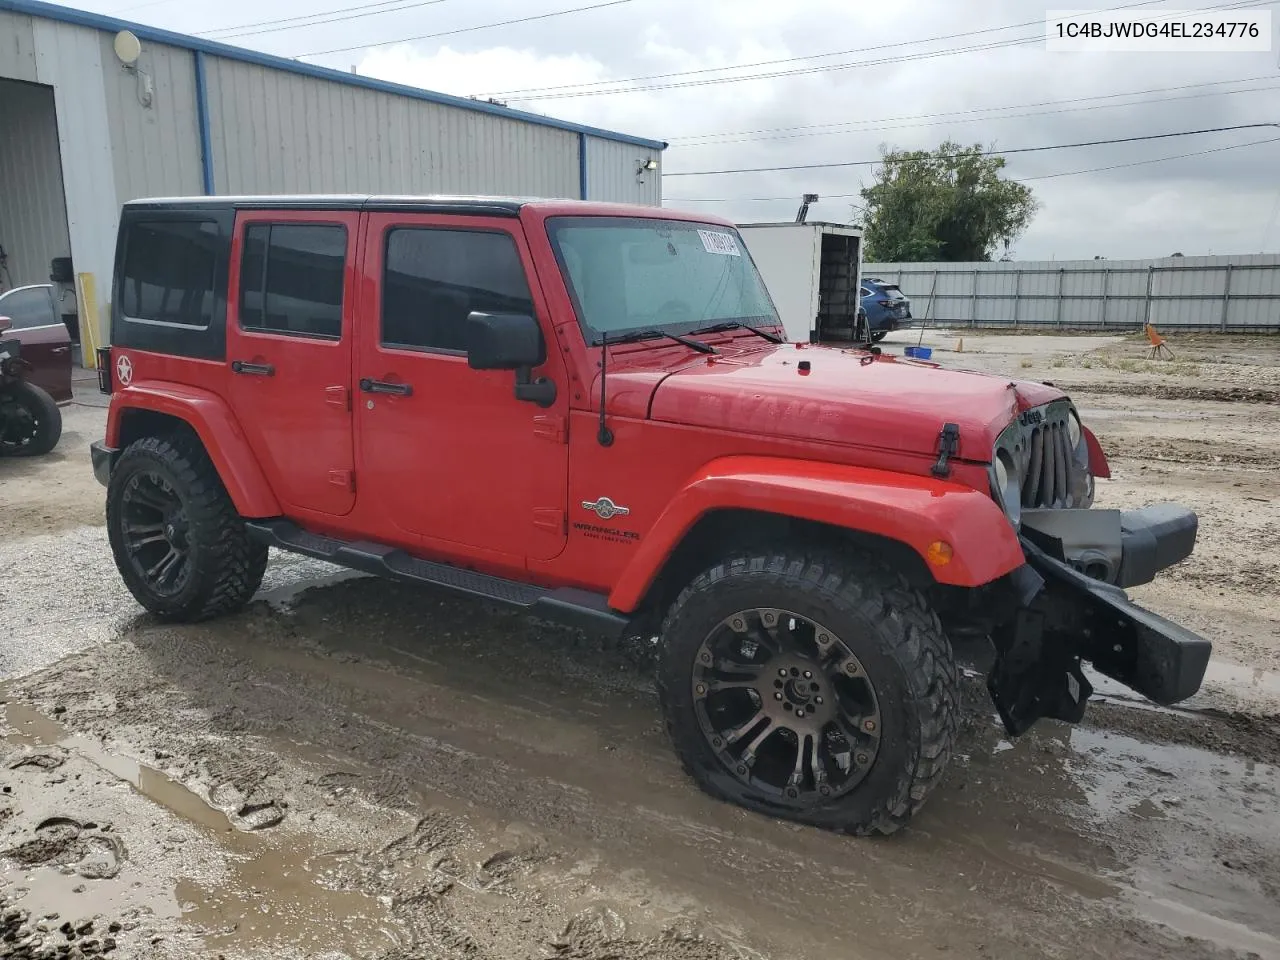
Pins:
x: 948, y: 447
x: 550, y: 519
x: 550, y: 427
x: 343, y: 478
x: 339, y: 397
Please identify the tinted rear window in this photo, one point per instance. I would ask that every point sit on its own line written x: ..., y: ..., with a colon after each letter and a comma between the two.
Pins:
x: 169, y: 272
x: 291, y: 278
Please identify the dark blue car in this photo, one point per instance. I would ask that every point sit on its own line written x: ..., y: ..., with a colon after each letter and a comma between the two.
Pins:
x: 886, y: 307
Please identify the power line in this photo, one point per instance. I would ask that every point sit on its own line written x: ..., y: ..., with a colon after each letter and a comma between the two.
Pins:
x: 482, y: 26
x: 825, y: 129
x: 1139, y: 163
x: 1010, y: 116
x: 1046, y: 176
x: 985, y: 153
x: 712, y: 81
x: 517, y: 94
x: 579, y: 90
x: 295, y: 23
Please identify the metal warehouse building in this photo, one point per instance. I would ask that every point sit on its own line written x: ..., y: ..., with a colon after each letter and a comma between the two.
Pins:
x: 90, y: 119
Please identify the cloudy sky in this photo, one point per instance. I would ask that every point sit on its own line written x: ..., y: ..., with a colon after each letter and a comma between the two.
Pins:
x: 823, y: 102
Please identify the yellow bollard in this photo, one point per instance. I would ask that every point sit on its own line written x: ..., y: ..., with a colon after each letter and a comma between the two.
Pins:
x: 87, y: 302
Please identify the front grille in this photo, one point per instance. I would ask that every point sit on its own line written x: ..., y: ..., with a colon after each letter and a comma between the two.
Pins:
x: 1045, y: 472
x: 1049, y: 464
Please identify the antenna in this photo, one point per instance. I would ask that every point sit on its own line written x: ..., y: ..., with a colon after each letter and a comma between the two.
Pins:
x: 604, y: 434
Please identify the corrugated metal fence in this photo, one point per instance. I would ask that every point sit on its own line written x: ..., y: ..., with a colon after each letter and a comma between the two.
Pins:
x: 1189, y: 293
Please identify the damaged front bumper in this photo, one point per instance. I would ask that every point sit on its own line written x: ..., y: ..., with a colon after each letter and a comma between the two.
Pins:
x: 1067, y: 614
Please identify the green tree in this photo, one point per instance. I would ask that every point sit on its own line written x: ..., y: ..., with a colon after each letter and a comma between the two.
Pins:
x: 946, y: 204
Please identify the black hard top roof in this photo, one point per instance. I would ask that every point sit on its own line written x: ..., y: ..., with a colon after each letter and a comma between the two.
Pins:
x: 477, y: 206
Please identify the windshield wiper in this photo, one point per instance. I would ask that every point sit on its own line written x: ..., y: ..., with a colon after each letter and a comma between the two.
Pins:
x: 739, y: 325
x: 654, y: 334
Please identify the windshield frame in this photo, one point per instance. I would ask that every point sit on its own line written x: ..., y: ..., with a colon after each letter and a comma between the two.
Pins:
x: 596, y: 338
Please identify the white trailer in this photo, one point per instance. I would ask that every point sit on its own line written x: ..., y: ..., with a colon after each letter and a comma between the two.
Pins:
x: 812, y: 271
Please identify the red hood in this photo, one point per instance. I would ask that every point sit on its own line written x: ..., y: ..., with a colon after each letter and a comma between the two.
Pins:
x: 845, y: 397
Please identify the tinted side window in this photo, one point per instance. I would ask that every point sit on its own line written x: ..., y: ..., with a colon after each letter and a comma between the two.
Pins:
x: 29, y: 308
x: 291, y: 278
x: 169, y: 271
x: 434, y: 278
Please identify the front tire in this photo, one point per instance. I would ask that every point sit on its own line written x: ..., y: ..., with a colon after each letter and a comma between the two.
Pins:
x: 30, y: 421
x: 810, y: 686
x: 178, y: 542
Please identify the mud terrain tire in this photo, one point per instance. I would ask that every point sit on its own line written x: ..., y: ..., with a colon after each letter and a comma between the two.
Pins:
x: 226, y: 568
x: 888, y: 626
x: 40, y: 408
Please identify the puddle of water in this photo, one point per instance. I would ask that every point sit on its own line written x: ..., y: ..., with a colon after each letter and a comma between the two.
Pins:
x: 1238, y: 678
x: 1190, y: 922
x: 1130, y: 782
x: 279, y: 896
x: 271, y: 892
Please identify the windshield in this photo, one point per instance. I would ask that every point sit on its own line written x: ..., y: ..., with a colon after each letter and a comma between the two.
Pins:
x: 629, y: 275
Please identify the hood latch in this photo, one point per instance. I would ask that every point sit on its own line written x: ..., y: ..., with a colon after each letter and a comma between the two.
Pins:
x: 948, y: 447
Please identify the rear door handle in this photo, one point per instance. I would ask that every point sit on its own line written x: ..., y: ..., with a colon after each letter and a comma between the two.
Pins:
x: 383, y: 386
x: 255, y: 369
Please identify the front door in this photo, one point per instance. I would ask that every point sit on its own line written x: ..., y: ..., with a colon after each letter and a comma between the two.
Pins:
x: 289, y: 334
x: 446, y: 453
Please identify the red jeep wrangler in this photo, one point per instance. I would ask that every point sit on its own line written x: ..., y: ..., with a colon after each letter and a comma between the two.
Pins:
x: 588, y: 411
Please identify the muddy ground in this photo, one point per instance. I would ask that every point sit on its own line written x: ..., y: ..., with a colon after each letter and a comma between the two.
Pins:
x: 353, y: 768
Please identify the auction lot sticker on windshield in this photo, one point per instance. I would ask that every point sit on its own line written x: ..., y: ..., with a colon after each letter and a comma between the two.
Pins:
x: 722, y: 243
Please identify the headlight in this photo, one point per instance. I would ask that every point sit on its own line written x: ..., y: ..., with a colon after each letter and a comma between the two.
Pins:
x: 1009, y: 486
x: 1074, y: 431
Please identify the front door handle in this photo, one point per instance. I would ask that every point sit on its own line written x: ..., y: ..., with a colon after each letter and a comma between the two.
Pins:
x: 254, y: 369
x: 384, y: 386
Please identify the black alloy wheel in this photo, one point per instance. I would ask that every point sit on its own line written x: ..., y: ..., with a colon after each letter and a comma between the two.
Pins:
x: 156, y: 533
x: 787, y: 705
x: 812, y: 683
x: 179, y: 544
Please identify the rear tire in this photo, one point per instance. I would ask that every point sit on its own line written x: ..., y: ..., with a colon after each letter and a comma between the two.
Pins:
x: 884, y: 665
x: 178, y: 542
x: 879, y: 335
x: 30, y: 421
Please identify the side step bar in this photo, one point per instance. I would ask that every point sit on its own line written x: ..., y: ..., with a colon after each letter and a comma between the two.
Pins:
x: 575, y: 608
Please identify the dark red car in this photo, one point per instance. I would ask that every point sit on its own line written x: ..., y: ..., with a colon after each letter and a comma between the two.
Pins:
x: 36, y: 321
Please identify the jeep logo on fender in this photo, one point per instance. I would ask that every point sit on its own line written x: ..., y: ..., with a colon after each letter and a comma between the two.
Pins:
x: 124, y: 371
x: 605, y: 509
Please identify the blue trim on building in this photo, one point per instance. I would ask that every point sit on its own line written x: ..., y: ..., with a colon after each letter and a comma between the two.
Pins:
x: 202, y: 123
x: 582, y: 166
x: 96, y: 21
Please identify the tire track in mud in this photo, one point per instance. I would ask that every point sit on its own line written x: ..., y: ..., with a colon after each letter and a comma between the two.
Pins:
x: 376, y: 733
x: 1172, y: 391
x: 1196, y: 452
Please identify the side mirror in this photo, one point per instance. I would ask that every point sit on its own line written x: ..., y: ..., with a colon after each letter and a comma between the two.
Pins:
x: 5, y: 324
x: 504, y: 341
x: 510, y: 341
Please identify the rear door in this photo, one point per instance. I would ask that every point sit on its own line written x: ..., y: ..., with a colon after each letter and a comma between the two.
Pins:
x: 289, y: 335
